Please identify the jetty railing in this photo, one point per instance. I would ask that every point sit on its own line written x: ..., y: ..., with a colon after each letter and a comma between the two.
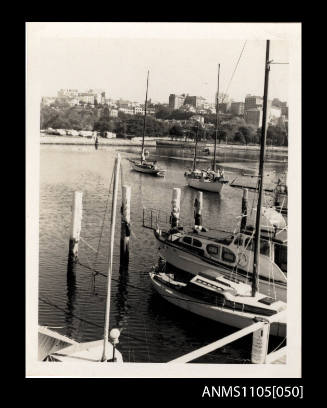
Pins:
x: 259, y: 343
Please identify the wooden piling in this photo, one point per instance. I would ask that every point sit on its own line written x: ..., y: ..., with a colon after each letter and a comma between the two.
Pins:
x: 260, y: 341
x: 77, y: 210
x: 244, y: 209
x: 198, y: 202
x: 175, y: 207
x: 125, y: 225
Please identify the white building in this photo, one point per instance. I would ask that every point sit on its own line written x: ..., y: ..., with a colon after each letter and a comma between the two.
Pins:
x: 127, y: 111
x: 197, y: 118
x: 113, y: 113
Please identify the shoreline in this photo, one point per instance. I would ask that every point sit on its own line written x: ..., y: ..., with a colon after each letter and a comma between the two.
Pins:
x: 150, y: 142
x: 80, y: 141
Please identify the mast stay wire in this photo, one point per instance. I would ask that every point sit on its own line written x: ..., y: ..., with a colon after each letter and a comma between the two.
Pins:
x: 225, y: 93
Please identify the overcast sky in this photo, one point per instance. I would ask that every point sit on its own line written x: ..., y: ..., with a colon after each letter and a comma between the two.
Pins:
x: 119, y: 66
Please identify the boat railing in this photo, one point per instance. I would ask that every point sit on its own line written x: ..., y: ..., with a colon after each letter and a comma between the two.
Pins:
x: 270, y: 358
x: 153, y: 217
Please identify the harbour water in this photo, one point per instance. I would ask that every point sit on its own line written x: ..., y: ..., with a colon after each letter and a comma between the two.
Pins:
x: 152, y: 330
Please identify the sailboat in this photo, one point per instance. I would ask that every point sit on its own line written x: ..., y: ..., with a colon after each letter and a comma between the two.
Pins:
x: 219, y: 296
x: 143, y: 165
x: 212, y: 179
x: 56, y: 347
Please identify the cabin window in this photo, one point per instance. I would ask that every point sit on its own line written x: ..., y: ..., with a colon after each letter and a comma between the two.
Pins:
x: 187, y: 240
x: 249, y: 244
x: 281, y: 257
x: 197, y: 243
x: 227, y: 255
x: 264, y: 248
x: 238, y: 241
x: 213, y: 250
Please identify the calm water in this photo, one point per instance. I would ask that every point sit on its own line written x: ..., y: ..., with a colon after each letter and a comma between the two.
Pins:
x: 152, y: 329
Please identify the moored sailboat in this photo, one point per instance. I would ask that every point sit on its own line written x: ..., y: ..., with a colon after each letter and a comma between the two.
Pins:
x: 212, y: 179
x: 143, y: 165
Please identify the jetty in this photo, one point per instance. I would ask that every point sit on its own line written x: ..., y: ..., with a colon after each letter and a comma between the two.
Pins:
x: 260, y: 341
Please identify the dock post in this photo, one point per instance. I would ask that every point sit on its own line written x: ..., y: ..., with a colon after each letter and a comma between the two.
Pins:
x: 260, y: 342
x: 198, y: 211
x: 125, y: 225
x: 77, y: 210
x: 244, y: 209
x: 175, y: 207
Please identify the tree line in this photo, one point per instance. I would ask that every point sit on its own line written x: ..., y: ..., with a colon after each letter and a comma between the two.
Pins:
x: 98, y: 118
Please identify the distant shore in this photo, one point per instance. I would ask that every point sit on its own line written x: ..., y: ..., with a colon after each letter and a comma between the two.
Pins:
x: 71, y: 140
x: 151, y: 142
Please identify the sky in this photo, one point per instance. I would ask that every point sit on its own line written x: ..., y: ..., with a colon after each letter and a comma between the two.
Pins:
x: 119, y: 66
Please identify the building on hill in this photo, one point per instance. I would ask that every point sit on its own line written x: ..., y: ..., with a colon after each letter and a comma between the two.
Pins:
x: 253, y: 102
x: 176, y: 101
x: 253, y: 117
x: 113, y: 113
x: 197, y: 118
x: 237, y: 108
x: 196, y: 101
x: 48, y: 100
x: 67, y: 93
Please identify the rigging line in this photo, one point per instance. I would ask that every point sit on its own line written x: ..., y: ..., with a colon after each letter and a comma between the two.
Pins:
x: 278, y: 345
x: 106, y: 209
x: 83, y: 240
x: 149, y: 291
x: 233, y: 73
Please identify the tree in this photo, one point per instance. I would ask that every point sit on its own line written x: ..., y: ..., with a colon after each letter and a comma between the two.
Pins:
x: 247, y: 133
x: 239, y: 137
x: 176, y: 130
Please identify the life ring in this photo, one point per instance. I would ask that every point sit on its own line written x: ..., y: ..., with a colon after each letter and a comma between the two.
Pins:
x: 242, y: 259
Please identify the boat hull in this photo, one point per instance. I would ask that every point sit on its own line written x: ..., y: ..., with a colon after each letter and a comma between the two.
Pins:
x: 145, y: 170
x: 218, y: 314
x: 193, y: 264
x: 214, y: 186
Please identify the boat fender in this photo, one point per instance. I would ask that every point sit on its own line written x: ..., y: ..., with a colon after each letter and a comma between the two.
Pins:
x: 242, y: 259
x: 127, y: 229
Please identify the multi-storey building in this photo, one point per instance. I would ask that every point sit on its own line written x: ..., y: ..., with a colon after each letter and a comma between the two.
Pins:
x: 253, y: 117
x: 176, y: 101
x: 237, y: 108
x: 67, y: 93
x: 253, y: 102
x: 196, y: 101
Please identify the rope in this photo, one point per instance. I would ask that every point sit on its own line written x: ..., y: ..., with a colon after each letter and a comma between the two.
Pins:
x: 278, y: 345
x: 83, y: 240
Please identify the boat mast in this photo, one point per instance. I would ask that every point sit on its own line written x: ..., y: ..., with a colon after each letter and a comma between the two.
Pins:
x: 260, y: 179
x: 146, y: 101
x: 111, y: 250
x: 217, y: 121
x: 195, y: 149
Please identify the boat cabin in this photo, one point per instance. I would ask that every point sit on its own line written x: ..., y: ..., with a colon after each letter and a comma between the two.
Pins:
x: 233, y: 250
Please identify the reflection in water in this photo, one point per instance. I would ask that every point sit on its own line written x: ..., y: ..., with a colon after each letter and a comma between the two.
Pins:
x: 71, y: 296
x: 121, y: 298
